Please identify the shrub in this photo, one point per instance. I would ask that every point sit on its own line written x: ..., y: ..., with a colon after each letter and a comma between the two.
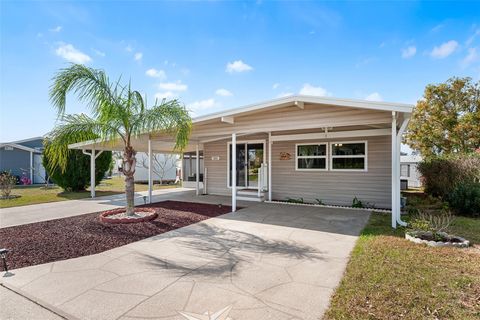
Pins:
x: 293, y: 200
x: 465, y: 199
x: 76, y: 176
x: 442, y: 174
x: 7, y: 181
x: 435, y: 222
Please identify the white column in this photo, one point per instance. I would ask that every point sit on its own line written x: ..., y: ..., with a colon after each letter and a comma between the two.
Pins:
x: 92, y: 173
x: 234, y: 172
x: 31, y: 166
x: 269, y: 166
x: 150, y: 170
x: 394, y: 171
x: 197, y: 169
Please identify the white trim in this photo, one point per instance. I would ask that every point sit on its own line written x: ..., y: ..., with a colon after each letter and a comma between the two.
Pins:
x: 228, y: 159
x: 234, y: 169
x: 228, y: 119
x: 269, y: 182
x: 31, y: 166
x: 150, y: 170
x: 332, y: 135
x: 311, y: 157
x: 197, y: 169
x: 365, y: 169
x: 19, y: 146
x: 290, y: 100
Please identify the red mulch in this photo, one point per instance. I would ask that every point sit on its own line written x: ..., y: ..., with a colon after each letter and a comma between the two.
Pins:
x: 83, y: 235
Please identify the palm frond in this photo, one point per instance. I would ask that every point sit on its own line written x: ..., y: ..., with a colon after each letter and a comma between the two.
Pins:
x: 168, y: 117
x: 73, y: 129
x: 90, y: 85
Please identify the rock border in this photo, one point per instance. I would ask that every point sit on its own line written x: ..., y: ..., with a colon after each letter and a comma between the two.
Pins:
x: 328, y: 206
x: 105, y: 219
x: 411, y: 237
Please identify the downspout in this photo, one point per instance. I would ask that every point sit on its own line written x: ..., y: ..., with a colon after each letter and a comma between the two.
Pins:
x: 405, y: 122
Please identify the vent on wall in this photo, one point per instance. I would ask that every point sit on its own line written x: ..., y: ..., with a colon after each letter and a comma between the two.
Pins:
x: 8, y: 148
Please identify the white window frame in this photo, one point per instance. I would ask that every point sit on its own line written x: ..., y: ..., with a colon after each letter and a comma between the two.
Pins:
x: 311, y: 157
x: 264, y: 142
x: 365, y: 169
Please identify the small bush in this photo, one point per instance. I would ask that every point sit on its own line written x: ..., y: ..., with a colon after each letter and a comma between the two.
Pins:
x: 357, y: 203
x: 7, y: 181
x: 293, y: 200
x: 465, y: 199
x: 432, y: 221
x: 76, y: 176
x: 442, y: 174
x: 320, y: 202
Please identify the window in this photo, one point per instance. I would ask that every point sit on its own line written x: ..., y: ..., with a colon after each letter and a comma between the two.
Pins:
x: 311, y: 156
x: 349, y: 156
x: 405, y: 170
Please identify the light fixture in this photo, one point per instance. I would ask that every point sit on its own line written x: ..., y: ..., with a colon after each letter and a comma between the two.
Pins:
x: 3, y: 255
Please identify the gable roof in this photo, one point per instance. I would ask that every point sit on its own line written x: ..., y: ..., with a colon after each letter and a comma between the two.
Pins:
x: 296, y: 99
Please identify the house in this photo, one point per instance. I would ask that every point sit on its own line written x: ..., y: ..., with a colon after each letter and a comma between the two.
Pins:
x: 23, y: 158
x: 166, y: 167
x: 409, y: 174
x: 295, y: 147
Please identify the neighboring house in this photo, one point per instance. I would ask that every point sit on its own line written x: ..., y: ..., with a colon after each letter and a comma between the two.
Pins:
x: 169, y: 165
x: 296, y: 147
x: 23, y: 158
x: 409, y: 175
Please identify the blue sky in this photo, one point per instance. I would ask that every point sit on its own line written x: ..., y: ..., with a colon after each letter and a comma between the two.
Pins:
x: 218, y: 55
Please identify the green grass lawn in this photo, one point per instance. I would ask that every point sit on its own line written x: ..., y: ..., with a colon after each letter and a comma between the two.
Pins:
x: 38, y: 194
x: 389, y: 277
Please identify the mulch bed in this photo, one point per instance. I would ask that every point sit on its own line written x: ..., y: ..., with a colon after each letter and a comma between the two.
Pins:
x: 67, y: 238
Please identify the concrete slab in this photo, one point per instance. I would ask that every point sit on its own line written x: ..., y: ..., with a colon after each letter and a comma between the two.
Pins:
x: 267, y: 261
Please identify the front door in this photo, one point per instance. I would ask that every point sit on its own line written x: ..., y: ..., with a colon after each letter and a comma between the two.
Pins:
x: 249, y: 160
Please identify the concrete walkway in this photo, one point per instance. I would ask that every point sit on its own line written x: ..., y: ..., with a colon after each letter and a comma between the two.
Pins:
x: 267, y: 261
x: 61, y: 209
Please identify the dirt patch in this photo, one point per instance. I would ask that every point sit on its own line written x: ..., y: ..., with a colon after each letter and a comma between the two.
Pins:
x: 72, y: 237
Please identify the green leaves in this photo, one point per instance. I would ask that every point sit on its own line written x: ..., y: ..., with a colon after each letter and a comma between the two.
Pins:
x: 118, y: 114
x: 447, y: 119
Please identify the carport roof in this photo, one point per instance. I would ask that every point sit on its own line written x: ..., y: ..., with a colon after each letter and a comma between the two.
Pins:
x: 165, y: 144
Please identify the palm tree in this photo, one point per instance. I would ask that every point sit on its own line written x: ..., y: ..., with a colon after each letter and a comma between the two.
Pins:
x: 118, y: 114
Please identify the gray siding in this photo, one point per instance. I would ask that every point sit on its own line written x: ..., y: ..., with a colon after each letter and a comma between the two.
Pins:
x: 332, y: 187
x: 335, y: 187
x: 15, y: 160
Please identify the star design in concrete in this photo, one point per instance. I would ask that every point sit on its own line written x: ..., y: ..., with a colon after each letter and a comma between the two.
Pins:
x: 219, y: 315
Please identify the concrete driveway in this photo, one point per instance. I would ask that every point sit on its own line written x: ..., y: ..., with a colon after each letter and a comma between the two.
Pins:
x: 267, y: 261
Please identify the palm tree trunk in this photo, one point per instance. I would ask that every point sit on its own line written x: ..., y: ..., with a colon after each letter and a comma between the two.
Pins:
x: 129, y: 163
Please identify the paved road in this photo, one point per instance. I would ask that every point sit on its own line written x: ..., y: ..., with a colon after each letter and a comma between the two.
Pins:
x: 61, y: 209
x: 267, y: 261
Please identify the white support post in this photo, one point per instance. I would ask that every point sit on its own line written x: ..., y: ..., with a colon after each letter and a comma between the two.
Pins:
x: 269, y: 182
x: 31, y: 166
x: 394, y: 171
x: 234, y: 172
x: 92, y: 173
x: 197, y: 169
x: 150, y: 170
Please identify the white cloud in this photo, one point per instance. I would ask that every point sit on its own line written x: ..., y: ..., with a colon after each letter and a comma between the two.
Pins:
x: 375, y: 96
x: 165, y: 95
x: 471, y: 57
x: 70, y: 53
x: 173, y: 86
x: 275, y: 86
x: 56, y: 29
x: 409, y: 52
x: 223, y: 93
x: 437, y: 28
x: 444, y: 50
x: 129, y: 48
x: 310, y: 90
x: 201, y: 105
x: 138, y: 56
x: 154, y: 73
x: 472, y: 37
x: 99, y: 53
x: 285, y: 94
x: 237, y: 66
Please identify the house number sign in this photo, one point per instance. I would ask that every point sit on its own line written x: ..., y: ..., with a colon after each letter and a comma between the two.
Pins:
x: 285, y: 156
x: 215, y: 158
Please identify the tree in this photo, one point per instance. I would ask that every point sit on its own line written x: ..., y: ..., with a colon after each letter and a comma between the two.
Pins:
x: 118, y: 114
x: 76, y: 176
x: 447, y: 119
x: 162, y: 163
